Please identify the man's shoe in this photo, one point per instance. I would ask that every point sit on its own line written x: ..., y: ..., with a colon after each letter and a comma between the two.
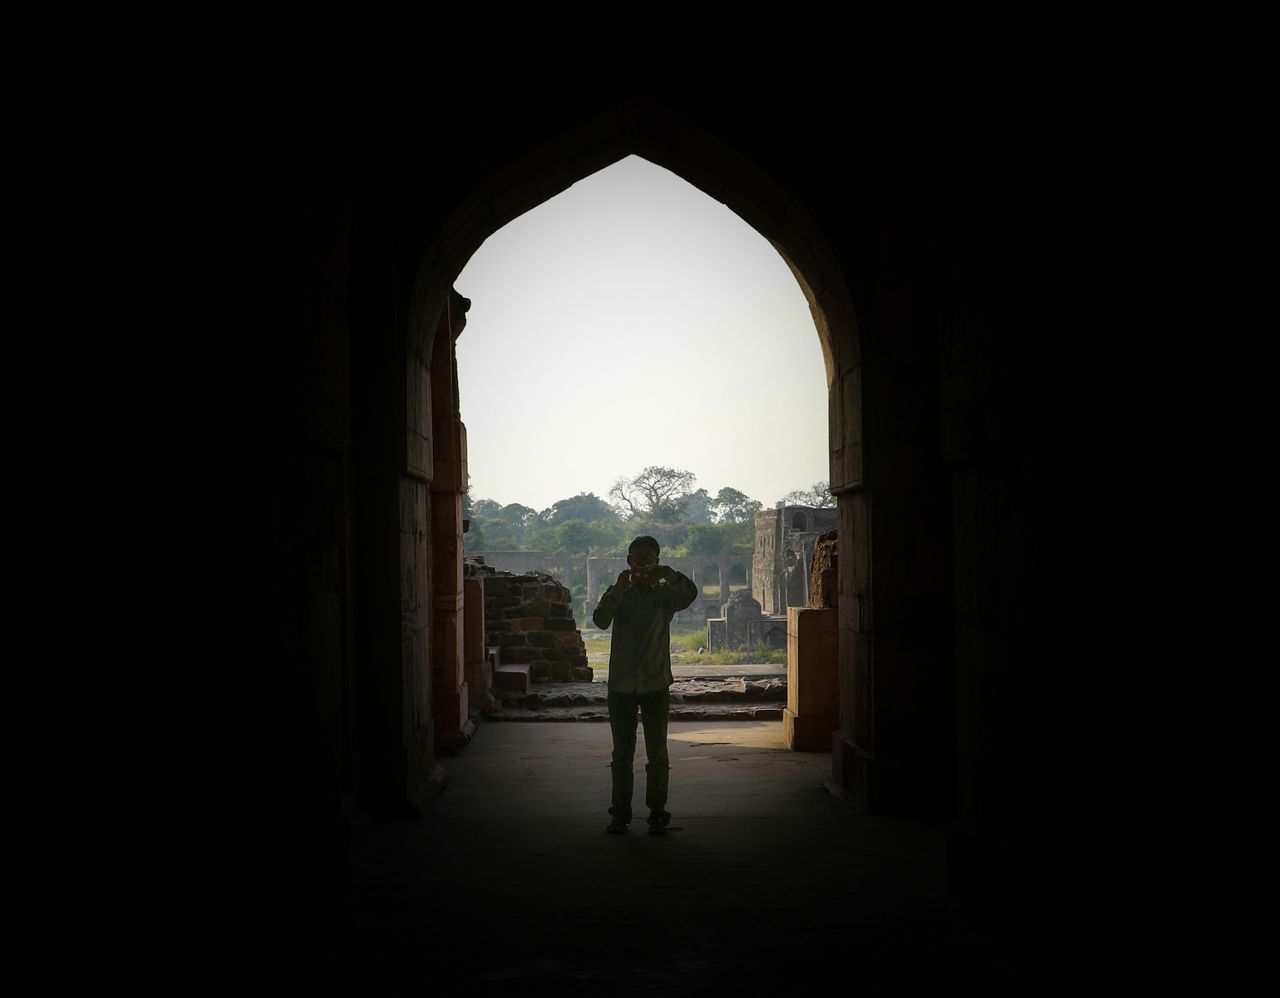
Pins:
x: 616, y: 827
x: 657, y: 829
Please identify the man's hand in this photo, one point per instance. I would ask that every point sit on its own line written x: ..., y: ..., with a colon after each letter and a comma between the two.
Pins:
x: 653, y: 574
x: 660, y: 572
x: 624, y: 581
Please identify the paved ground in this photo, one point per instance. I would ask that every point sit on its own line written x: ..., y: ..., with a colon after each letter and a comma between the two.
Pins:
x: 769, y: 877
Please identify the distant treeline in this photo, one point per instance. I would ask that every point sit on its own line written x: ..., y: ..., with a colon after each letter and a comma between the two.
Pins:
x: 658, y: 501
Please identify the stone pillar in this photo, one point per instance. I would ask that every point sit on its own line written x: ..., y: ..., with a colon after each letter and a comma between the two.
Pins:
x: 724, y: 582
x: 812, y: 714
x: 448, y: 666
x: 479, y: 671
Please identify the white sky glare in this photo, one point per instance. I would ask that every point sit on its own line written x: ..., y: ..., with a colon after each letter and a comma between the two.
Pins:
x: 630, y: 321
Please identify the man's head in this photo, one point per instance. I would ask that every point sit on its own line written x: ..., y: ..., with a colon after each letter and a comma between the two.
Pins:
x: 643, y: 553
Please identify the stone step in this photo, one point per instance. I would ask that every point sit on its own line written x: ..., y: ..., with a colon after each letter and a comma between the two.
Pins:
x: 739, y: 693
x: 512, y: 679
x: 689, y: 712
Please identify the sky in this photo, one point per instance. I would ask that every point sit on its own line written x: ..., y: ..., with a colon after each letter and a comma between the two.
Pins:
x: 630, y: 321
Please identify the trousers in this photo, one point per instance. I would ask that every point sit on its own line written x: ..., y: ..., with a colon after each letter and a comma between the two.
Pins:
x: 654, y: 708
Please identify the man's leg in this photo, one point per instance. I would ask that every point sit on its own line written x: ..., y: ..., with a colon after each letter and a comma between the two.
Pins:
x: 622, y: 722
x: 656, y: 709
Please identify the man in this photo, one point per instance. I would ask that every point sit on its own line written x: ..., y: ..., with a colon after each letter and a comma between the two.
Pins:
x: 640, y: 605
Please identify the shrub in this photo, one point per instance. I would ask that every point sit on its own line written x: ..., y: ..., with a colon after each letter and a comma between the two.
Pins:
x: 693, y: 640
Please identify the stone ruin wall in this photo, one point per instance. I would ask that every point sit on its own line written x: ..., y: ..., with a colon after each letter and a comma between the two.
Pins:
x: 530, y: 620
x: 741, y: 625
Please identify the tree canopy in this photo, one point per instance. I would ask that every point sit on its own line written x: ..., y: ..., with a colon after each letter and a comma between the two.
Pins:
x: 585, y: 506
x: 732, y: 506
x: 657, y: 493
x: 818, y: 495
x: 660, y: 501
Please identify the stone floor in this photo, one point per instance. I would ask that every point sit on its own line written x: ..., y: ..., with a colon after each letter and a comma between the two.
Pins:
x: 769, y: 878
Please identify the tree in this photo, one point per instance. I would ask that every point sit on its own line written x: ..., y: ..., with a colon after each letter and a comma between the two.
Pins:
x: 704, y: 538
x: 818, y: 496
x: 572, y: 537
x: 656, y: 492
x: 517, y: 515
x: 501, y: 526
x: 732, y: 506
x: 585, y: 506
x: 607, y: 536
x: 739, y: 538
x: 696, y: 507
x: 485, y: 509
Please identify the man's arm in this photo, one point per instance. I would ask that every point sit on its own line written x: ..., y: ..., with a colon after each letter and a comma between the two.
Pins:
x: 602, y: 617
x: 680, y: 590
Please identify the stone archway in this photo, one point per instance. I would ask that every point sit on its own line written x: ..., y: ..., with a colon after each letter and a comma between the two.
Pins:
x: 645, y: 129
x: 376, y: 188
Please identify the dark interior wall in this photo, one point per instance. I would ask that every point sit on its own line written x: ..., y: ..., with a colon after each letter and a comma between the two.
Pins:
x: 910, y: 167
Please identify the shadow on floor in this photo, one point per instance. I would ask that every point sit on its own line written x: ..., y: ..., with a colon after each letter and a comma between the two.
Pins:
x: 510, y: 881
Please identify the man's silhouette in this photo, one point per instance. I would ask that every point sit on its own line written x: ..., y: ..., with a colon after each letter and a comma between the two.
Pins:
x: 640, y: 605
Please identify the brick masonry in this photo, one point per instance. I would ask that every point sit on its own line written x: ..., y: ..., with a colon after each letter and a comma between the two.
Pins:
x: 529, y: 618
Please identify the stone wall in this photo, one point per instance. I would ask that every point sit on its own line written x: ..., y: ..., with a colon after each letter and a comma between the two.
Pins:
x: 529, y: 618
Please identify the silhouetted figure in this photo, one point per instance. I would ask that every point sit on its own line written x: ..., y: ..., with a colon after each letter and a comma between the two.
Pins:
x: 640, y: 605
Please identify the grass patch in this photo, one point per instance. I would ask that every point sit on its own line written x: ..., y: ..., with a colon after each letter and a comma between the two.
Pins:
x: 691, y: 641
x: 684, y: 651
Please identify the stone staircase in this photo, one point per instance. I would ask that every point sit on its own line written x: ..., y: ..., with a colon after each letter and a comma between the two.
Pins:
x: 719, y: 698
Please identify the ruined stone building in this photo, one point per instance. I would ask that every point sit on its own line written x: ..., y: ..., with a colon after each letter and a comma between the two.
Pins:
x: 785, y: 538
x: 903, y: 197
x: 780, y: 572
